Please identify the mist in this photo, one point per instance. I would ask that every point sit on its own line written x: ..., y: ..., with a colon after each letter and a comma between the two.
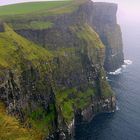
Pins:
x: 128, y: 11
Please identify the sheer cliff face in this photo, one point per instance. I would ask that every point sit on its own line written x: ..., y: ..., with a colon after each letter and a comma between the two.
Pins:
x: 56, y: 77
x: 103, y: 20
x: 100, y: 16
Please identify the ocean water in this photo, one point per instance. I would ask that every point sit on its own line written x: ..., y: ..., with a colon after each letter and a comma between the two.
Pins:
x: 124, y: 124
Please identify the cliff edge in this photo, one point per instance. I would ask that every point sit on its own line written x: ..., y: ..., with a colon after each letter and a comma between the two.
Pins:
x: 105, y: 23
x: 53, y: 66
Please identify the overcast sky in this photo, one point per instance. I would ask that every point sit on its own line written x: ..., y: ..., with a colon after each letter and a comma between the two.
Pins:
x: 128, y: 9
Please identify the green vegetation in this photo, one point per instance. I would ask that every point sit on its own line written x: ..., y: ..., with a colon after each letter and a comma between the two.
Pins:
x: 90, y: 36
x: 34, y: 25
x: 30, y: 7
x: 107, y: 91
x: 91, y: 42
x: 11, y: 129
x: 17, y: 51
x: 67, y: 99
x: 32, y: 15
x: 42, y: 120
x: 39, y: 9
x: 105, y: 87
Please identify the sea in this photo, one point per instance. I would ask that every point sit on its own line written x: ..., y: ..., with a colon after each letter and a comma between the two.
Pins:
x: 124, y: 123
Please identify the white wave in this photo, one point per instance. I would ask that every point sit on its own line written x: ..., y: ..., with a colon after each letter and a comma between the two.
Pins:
x: 128, y: 62
x: 117, y: 108
x: 124, y: 66
x: 120, y: 70
x: 116, y: 72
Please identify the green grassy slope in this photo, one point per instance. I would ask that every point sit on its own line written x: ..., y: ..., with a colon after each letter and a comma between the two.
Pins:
x: 39, y: 8
x: 27, y: 8
x: 16, y: 51
x: 32, y: 15
x: 11, y: 129
x: 16, y: 54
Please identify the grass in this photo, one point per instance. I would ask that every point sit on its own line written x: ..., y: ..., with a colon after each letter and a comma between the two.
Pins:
x: 91, y: 42
x: 95, y: 47
x: 68, y: 98
x: 70, y: 63
x: 11, y: 129
x: 37, y: 10
x: 32, y: 15
x: 15, y: 51
x: 107, y: 91
x: 42, y: 120
x: 30, y: 7
x: 88, y: 34
x: 34, y: 25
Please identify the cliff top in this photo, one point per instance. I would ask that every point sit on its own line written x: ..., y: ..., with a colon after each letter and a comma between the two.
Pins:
x: 106, y: 6
x: 48, y: 8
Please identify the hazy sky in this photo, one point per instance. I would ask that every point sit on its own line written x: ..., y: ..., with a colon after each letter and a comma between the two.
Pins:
x: 127, y: 8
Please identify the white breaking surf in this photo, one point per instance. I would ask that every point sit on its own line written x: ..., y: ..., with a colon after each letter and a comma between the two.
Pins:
x: 120, y: 70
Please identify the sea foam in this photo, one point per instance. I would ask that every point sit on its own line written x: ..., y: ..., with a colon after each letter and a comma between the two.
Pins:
x: 120, y: 70
x: 116, y: 72
x: 128, y: 62
x: 117, y: 108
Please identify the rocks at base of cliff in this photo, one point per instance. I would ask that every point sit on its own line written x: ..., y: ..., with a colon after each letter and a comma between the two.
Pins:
x: 97, y: 106
x: 58, y: 135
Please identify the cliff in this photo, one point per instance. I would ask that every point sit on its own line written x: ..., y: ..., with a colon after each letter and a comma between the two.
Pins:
x: 52, y: 64
x: 106, y: 26
x: 100, y: 16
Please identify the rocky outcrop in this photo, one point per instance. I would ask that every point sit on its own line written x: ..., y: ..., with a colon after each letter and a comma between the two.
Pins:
x: 97, y: 106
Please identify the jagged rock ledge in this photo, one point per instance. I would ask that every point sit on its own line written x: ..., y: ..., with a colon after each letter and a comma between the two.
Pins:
x: 85, y: 116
